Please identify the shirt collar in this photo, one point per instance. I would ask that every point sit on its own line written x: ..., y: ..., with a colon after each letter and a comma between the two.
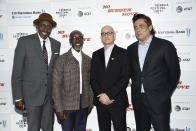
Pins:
x: 147, y: 42
x: 75, y: 53
x: 109, y: 48
x: 41, y: 39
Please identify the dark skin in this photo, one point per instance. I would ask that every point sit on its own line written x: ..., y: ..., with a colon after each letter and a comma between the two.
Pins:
x: 44, y: 29
x: 76, y: 41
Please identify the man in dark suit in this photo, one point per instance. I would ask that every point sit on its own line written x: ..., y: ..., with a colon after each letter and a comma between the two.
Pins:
x: 34, y: 59
x: 109, y: 79
x: 72, y: 94
x: 154, y: 71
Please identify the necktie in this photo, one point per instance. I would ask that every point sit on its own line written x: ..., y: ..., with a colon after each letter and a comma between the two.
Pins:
x: 45, y: 53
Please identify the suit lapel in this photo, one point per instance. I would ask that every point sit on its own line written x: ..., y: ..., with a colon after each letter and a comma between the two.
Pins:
x: 137, y: 56
x: 52, y: 50
x: 102, y: 58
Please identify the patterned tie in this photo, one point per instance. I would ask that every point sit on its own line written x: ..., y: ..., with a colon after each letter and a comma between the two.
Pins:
x: 45, y: 53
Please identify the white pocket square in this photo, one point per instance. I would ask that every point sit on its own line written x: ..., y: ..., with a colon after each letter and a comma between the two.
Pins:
x: 56, y: 53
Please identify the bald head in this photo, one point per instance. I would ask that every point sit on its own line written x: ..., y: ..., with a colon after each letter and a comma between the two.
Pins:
x: 108, y: 28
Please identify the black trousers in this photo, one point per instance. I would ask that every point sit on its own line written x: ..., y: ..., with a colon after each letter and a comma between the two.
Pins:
x: 145, y: 116
x: 117, y: 115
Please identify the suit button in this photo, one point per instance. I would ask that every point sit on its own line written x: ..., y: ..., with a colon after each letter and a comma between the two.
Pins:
x: 46, y: 84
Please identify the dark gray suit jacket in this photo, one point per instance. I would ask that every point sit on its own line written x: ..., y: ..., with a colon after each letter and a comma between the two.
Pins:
x: 31, y: 80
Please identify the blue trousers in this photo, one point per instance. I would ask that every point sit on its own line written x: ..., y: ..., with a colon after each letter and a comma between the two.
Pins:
x: 76, y: 120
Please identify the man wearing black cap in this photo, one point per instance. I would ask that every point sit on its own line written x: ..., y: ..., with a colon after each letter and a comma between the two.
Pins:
x: 34, y: 59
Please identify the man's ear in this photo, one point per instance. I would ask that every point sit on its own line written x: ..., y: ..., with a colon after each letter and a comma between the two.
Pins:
x: 150, y: 27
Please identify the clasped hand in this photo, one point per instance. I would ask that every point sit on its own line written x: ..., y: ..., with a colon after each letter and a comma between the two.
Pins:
x: 104, y: 99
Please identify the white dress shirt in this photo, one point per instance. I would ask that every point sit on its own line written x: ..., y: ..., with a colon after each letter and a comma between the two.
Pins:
x: 78, y: 56
x: 107, y: 53
x: 48, y: 46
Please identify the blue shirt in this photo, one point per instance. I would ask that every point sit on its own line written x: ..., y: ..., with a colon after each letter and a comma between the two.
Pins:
x: 142, y: 51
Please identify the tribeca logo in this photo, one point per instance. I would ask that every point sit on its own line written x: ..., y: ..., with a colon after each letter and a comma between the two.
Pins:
x: 3, y: 123
x: 63, y: 12
x: 1, y: 36
x: 21, y: 124
x: 19, y: 34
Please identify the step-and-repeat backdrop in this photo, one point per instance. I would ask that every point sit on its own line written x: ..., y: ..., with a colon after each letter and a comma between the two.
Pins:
x: 174, y: 20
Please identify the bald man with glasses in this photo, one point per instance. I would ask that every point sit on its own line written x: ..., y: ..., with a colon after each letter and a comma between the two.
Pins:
x: 109, y: 79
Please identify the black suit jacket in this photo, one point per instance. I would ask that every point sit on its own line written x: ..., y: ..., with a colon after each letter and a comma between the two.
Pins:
x: 112, y: 80
x: 159, y: 76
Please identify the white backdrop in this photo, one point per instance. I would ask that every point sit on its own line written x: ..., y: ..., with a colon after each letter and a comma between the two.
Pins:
x: 173, y: 20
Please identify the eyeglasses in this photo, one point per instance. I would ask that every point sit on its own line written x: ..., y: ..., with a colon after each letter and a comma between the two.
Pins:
x: 77, y: 38
x: 106, y: 33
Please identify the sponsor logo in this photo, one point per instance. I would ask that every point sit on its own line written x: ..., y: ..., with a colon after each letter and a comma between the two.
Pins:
x: 178, y: 129
x: 184, y: 59
x: 63, y: 35
x: 3, y: 123
x: 63, y: 12
x: 25, y: 14
x: 1, y: 36
x: 89, y: 129
x: 170, y: 33
x: 179, y: 108
x: 181, y: 86
x: 159, y: 8
x: 81, y: 13
x: 21, y: 123
x: 180, y: 9
x: 19, y: 34
x: 123, y: 11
